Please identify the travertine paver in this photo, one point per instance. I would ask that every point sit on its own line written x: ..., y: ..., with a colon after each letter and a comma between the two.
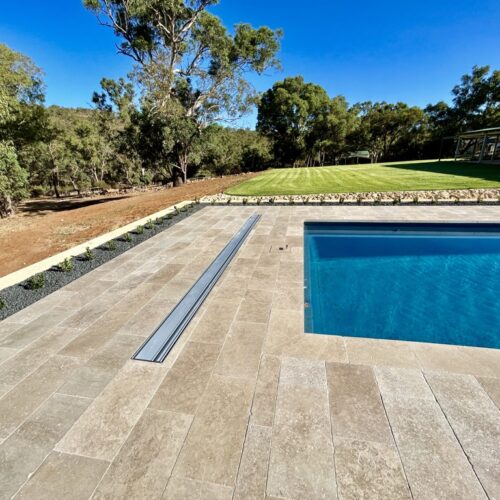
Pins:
x: 301, y: 463
x: 247, y: 405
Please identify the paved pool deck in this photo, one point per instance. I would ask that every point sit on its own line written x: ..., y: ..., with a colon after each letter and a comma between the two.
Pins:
x: 247, y: 405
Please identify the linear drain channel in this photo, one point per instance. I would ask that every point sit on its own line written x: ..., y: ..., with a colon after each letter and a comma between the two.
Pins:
x: 159, y: 344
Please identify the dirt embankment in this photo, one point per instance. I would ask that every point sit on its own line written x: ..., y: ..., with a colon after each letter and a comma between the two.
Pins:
x: 44, y: 227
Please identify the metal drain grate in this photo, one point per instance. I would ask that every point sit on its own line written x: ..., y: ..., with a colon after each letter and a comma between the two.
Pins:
x: 159, y: 344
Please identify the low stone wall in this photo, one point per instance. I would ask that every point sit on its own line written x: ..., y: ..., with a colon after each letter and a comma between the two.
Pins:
x: 442, y: 197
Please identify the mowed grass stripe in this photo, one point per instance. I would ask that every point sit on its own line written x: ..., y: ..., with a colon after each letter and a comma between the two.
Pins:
x: 400, y: 176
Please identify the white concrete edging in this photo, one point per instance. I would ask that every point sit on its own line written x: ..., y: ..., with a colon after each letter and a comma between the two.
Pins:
x: 43, y: 265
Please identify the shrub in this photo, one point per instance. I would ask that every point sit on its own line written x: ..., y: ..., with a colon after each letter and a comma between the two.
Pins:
x: 36, y: 281
x: 259, y: 201
x: 291, y: 200
x: 212, y: 201
x: 359, y: 199
x: 170, y: 216
x: 149, y: 224
x: 66, y: 266
x: 3, y: 304
x: 139, y: 229
x: 127, y: 237
x: 88, y: 255
x: 321, y: 200
x: 415, y: 199
x: 341, y: 199
x: 396, y: 200
x: 37, y: 191
x: 158, y: 221
x: 271, y: 200
x: 229, y: 201
x: 197, y: 201
x: 244, y: 201
x: 111, y: 245
x: 305, y: 200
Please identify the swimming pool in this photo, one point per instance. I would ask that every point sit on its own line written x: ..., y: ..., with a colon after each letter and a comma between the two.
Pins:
x: 424, y: 282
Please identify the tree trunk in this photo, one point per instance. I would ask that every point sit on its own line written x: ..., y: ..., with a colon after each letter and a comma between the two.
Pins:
x: 6, y: 206
x: 55, y: 184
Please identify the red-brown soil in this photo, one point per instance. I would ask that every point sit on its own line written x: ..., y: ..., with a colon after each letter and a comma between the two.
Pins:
x: 44, y: 227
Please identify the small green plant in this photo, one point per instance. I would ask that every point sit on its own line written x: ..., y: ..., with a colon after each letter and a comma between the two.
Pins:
x: 321, y: 200
x: 271, y: 200
x: 377, y: 200
x: 158, y: 221
x: 197, y: 201
x: 415, y: 199
x: 244, y: 201
x: 359, y: 199
x: 170, y: 216
x: 127, y: 237
x: 149, y: 224
x: 229, y: 200
x: 176, y: 211
x: 3, y: 304
x: 66, y: 266
x: 212, y: 201
x: 36, y: 281
x: 258, y: 201
x: 457, y: 200
x: 185, y: 208
x: 291, y: 200
x: 479, y: 198
x: 396, y: 200
x: 305, y: 200
x: 89, y: 254
x: 111, y: 245
x: 341, y: 199
x: 139, y: 229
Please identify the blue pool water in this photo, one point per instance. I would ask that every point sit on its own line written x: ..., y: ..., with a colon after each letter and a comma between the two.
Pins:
x: 420, y: 282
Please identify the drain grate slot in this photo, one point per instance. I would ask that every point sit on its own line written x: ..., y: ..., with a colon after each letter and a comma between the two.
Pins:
x: 160, y: 343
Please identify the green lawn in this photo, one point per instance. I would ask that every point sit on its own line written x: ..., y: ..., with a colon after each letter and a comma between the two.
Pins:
x: 401, y: 176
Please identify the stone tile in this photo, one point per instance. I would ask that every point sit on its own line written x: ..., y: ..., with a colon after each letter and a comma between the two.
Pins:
x: 476, y: 422
x: 7, y: 326
x: 263, y: 278
x: 492, y: 387
x: 188, y: 489
x: 6, y: 353
x: 292, y: 272
x: 185, y: 382
x: 253, y: 311
x: 34, y: 330
x: 87, y: 381
x: 145, y: 462
x: 449, y: 358
x: 301, y: 463
x: 240, y: 355
x: 483, y: 362
x: 402, y: 383
x: 148, y: 319
x: 266, y: 390
x: 252, y: 474
x: 215, y: 441
x: 23, y: 452
x: 167, y: 272
x: 64, y: 476
x: 116, y: 352
x: 18, y: 404
x: 369, y: 470
x: 29, y: 359
x: 381, y: 352
x: 286, y: 337
x: 96, y: 336
x: 355, y: 404
x: 137, y: 298
x: 433, y: 460
x: 216, y: 321
x: 289, y: 296
x: 103, y: 428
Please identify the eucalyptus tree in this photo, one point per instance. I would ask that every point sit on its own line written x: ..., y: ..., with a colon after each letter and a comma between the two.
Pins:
x: 21, y: 96
x: 190, y: 67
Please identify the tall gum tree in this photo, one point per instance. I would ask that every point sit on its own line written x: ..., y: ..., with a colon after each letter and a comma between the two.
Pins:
x: 190, y: 67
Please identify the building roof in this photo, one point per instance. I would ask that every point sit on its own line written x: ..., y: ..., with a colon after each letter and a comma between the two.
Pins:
x: 480, y: 133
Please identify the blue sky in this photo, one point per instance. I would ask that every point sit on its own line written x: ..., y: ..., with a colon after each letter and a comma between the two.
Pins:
x: 413, y: 51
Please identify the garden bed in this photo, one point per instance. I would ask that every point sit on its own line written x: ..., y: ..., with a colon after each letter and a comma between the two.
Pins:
x: 21, y: 295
